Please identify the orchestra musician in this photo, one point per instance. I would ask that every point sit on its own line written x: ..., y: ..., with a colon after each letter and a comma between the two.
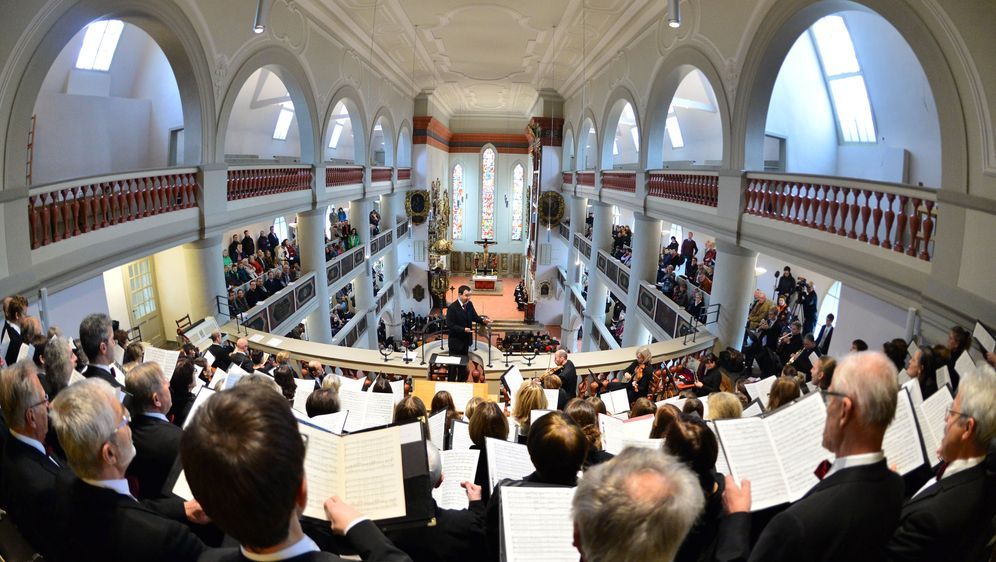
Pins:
x: 712, y: 379
x: 567, y: 373
x: 636, y: 377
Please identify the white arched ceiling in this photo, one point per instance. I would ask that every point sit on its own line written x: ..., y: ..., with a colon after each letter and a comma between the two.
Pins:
x: 621, y: 141
x: 354, y: 147
x: 587, y: 158
x: 568, y: 162
x: 404, y: 159
x: 382, y: 139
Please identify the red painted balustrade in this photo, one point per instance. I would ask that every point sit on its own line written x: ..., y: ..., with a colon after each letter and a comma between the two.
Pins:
x: 586, y: 179
x: 245, y: 183
x: 404, y: 174
x: 380, y: 174
x: 619, y: 181
x: 894, y: 217
x: 698, y: 188
x: 335, y: 176
x: 567, y: 177
x: 62, y: 212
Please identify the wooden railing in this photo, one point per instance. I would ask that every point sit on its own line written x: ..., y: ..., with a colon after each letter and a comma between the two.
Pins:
x: 66, y: 209
x: 567, y: 177
x: 404, y: 173
x: 892, y: 216
x: 586, y: 179
x: 380, y: 174
x: 619, y: 181
x: 245, y: 182
x: 701, y: 188
x: 343, y: 175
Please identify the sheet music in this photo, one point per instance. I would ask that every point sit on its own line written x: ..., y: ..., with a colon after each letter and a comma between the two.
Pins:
x: 4, y: 346
x: 507, y: 460
x: 902, y: 439
x: 331, y: 422
x: 536, y: 524
x: 199, y: 401
x: 28, y: 350
x: 916, y: 395
x: 797, y: 433
x: 760, y: 390
x: 638, y: 428
x: 446, y: 360
x: 964, y: 365
x: 912, y: 348
x: 751, y: 455
x: 367, y: 409
x: 513, y: 430
x: 380, y: 409
x: 458, y: 466
x: 398, y: 388
x: 209, y: 358
x: 303, y: 389
x: 753, y: 409
x: 944, y: 376
x: 985, y: 339
x: 617, y: 401
x: 437, y: 429
x: 233, y: 378
x: 612, y: 433
x: 181, y: 488
x: 903, y: 377
x: 322, y: 461
x: 347, y: 383
x: 512, y: 380
x: 721, y: 465
x: 461, y: 436
x: 218, y: 379
x: 164, y: 358
x: 552, y: 397
x: 373, y: 482
x: 119, y: 355
x: 461, y: 392
x: 537, y: 414
x: 931, y: 414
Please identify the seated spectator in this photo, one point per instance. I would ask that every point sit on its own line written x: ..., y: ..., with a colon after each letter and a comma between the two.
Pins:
x: 724, y: 406
x: 783, y: 391
x: 157, y: 441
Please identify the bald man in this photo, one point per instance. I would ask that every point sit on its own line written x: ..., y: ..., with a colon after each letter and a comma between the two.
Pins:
x: 241, y: 355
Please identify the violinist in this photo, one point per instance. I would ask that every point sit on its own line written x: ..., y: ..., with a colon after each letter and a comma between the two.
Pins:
x: 567, y: 373
x: 711, y: 379
x: 637, y: 376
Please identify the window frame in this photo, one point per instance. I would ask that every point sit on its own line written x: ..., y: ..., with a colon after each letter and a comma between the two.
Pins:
x: 828, y: 80
x: 517, y: 206
x: 92, y: 66
x: 480, y: 168
x: 286, y: 108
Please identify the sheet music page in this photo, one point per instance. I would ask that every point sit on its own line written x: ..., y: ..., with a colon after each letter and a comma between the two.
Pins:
x: 331, y: 422
x: 181, y: 488
x: 218, y: 379
x: 513, y: 380
x: 303, y: 389
x: 552, y: 397
x: 461, y: 392
x: 373, y: 482
x: 398, y: 388
x: 612, y: 433
x: 536, y: 524
x: 797, y: 433
x: 902, y: 439
x: 751, y: 455
x: 165, y: 358
x: 507, y: 460
x: 458, y: 466
x: 233, y: 378
x: 638, y: 428
x: 916, y: 395
x: 380, y: 409
x: 199, y: 401
x: 912, y: 348
x: 437, y: 429
x: 721, y: 465
x: 513, y: 430
x: 616, y: 402
x: 760, y: 389
x: 28, y: 350
x: 209, y: 358
x: 930, y: 414
x: 350, y: 384
x: 944, y: 376
x: 537, y: 414
x: 753, y: 409
x: 119, y: 356
x: 322, y: 463
x: 642, y: 443
x: 963, y: 365
x: 985, y: 339
x: 461, y: 436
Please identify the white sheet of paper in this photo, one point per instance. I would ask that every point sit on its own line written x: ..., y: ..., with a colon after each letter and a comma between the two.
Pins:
x: 461, y: 392
x: 507, y: 460
x: 218, y: 379
x: 446, y: 360
x: 199, y: 401
x: 537, y: 414
x: 461, y: 436
x: 367, y: 409
x: 797, y: 433
x: 552, y: 396
x: 760, y: 389
x: 536, y: 524
x: 181, y: 488
x: 458, y: 466
x: 437, y: 429
x: 303, y: 389
x: 166, y: 359
x: 513, y: 380
x: 930, y: 415
x: 944, y: 376
x: 751, y: 455
x: 677, y: 401
x: 331, y: 422
x: 398, y: 388
x: 275, y: 342
x: 753, y: 409
x: 119, y: 355
x: 256, y: 338
x: 616, y: 402
x: 963, y: 365
x: 722, y: 466
x: 612, y: 433
x: 642, y: 443
x: 984, y: 337
x: 903, y: 377
x: 916, y: 395
x: 902, y: 439
x: 209, y: 358
x: 25, y: 352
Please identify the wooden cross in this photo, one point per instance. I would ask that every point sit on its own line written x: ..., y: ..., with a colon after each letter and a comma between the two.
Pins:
x: 486, y: 242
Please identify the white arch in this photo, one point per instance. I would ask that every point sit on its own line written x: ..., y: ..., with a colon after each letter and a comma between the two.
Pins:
x: 350, y: 98
x: 587, y: 126
x: 404, y: 150
x: 567, y: 151
x: 383, y: 115
x: 613, y: 109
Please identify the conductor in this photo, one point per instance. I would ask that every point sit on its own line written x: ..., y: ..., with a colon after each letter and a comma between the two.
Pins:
x: 460, y: 316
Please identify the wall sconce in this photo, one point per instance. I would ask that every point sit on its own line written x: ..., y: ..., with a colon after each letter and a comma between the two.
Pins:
x: 262, y: 14
x: 673, y: 13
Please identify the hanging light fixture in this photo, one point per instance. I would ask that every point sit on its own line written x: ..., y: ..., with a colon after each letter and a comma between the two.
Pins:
x: 674, y: 13
x: 262, y: 15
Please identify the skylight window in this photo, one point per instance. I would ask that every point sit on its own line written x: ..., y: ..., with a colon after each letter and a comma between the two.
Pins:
x: 336, y: 133
x: 636, y: 137
x: 845, y: 81
x: 99, y: 44
x: 674, y: 130
x: 284, y: 121
x: 615, y: 147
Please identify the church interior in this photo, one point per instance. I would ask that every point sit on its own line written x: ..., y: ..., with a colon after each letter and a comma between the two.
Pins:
x: 391, y: 211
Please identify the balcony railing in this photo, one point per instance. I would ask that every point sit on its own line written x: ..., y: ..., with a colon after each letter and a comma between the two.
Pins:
x: 586, y: 179
x: 66, y: 209
x: 891, y: 216
x: 404, y: 173
x: 343, y: 175
x: 567, y: 177
x: 245, y: 182
x: 701, y: 188
x: 619, y: 181
x: 380, y: 174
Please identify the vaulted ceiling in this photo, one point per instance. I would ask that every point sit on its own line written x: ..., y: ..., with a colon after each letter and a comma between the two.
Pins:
x: 490, y: 58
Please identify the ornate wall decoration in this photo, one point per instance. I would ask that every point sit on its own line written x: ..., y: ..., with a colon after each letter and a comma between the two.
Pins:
x: 417, y: 205
x: 551, y: 208
x: 289, y: 25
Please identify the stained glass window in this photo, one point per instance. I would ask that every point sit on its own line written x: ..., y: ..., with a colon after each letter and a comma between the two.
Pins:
x: 458, y: 197
x: 488, y: 193
x: 518, y: 185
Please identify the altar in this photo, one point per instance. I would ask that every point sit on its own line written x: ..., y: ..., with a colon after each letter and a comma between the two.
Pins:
x: 486, y: 284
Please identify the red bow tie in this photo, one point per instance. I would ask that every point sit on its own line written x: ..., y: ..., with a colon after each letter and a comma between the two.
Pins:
x: 940, y: 470
x: 822, y: 469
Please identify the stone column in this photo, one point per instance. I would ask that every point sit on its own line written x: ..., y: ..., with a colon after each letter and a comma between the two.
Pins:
x: 643, y: 267
x: 311, y: 241
x: 733, y: 288
x: 205, y: 278
x: 388, y: 216
x: 576, y: 207
x: 359, y: 217
x: 601, y: 239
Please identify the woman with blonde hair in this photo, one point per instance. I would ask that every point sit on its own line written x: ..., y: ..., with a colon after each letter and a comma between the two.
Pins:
x: 724, y: 406
x: 529, y: 397
x: 784, y: 390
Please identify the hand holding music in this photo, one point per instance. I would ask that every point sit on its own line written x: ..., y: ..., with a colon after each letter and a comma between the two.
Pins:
x: 473, y: 490
x: 736, y: 499
x: 340, y: 514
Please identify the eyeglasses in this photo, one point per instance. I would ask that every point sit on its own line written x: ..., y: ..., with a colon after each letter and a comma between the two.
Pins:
x: 125, y: 420
x: 40, y: 402
x: 952, y: 412
x: 827, y: 393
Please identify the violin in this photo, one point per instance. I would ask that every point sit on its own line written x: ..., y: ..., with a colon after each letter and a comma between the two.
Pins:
x: 637, y: 376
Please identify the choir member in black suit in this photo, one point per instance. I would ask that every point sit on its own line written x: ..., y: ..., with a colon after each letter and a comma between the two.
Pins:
x: 951, y: 517
x: 219, y: 351
x: 157, y: 441
x: 28, y: 471
x: 97, y: 340
x: 101, y: 520
x: 825, y: 335
x: 249, y: 434
x: 852, y: 513
x: 15, y: 309
x: 567, y: 373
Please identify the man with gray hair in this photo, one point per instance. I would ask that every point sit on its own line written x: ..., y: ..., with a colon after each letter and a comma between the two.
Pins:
x: 647, y: 492
x: 157, y: 441
x: 849, y: 515
x: 103, y: 520
x: 28, y: 471
x: 97, y: 340
x: 950, y: 518
x: 567, y: 373
x: 60, y: 366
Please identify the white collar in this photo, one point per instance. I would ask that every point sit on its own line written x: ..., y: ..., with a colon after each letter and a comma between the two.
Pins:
x: 120, y: 486
x: 15, y: 327
x: 157, y: 415
x: 853, y: 461
x: 107, y: 368
x: 958, y: 465
x: 31, y: 441
x: 302, y: 546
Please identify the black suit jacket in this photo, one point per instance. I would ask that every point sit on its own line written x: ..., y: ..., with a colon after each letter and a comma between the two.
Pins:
x: 849, y: 516
x: 92, y: 371
x: 101, y: 525
x: 27, y: 492
x: 456, y: 320
x: 365, y: 537
x: 950, y: 520
x: 157, y: 444
x: 457, y: 536
x: 824, y: 346
x: 220, y: 354
x: 16, y: 340
x: 242, y: 360
x: 711, y: 381
x: 569, y: 379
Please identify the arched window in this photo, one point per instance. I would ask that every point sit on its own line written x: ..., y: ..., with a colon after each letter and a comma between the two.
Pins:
x: 518, y: 186
x: 280, y: 229
x: 488, y: 193
x: 458, y: 198
x: 831, y: 302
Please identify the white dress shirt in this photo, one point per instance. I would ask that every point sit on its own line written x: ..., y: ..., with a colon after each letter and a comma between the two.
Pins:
x: 954, y: 467
x: 119, y: 486
x: 853, y: 461
x: 34, y: 443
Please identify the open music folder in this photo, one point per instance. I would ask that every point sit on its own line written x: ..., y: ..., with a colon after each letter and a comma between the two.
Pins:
x: 930, y: 416
x: 618, y: 434
x: 903, y: 443
x: 536, y: 524
x: 458, y: 466
x: 507, y: 460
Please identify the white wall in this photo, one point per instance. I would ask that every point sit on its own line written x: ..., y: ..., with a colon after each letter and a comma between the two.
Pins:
x: 254, y: 116
x: 156, y: 83
x: 862, y: 316
x: 503, y: 187
x: 701, y: 127
x: 114, y: 291
x: 67, y: 308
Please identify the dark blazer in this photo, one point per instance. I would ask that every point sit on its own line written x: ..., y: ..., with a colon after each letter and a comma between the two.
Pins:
x: 102, y: 525
x: 92, y: 371
x: 824, y: 346
x: 242, y: 360
x: 457, y: 536
x: 643, y: 386
x: 220, y: 354
x: 950, y: 520
x: 182, y: 403
x: 27, y: 492
x: 157, y: 444
x: 711, y: 381
x: 16, y: 340
x: 365, y: 537
x: 456, y: 320
x: 569, y: 379
x: 849, y: 516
